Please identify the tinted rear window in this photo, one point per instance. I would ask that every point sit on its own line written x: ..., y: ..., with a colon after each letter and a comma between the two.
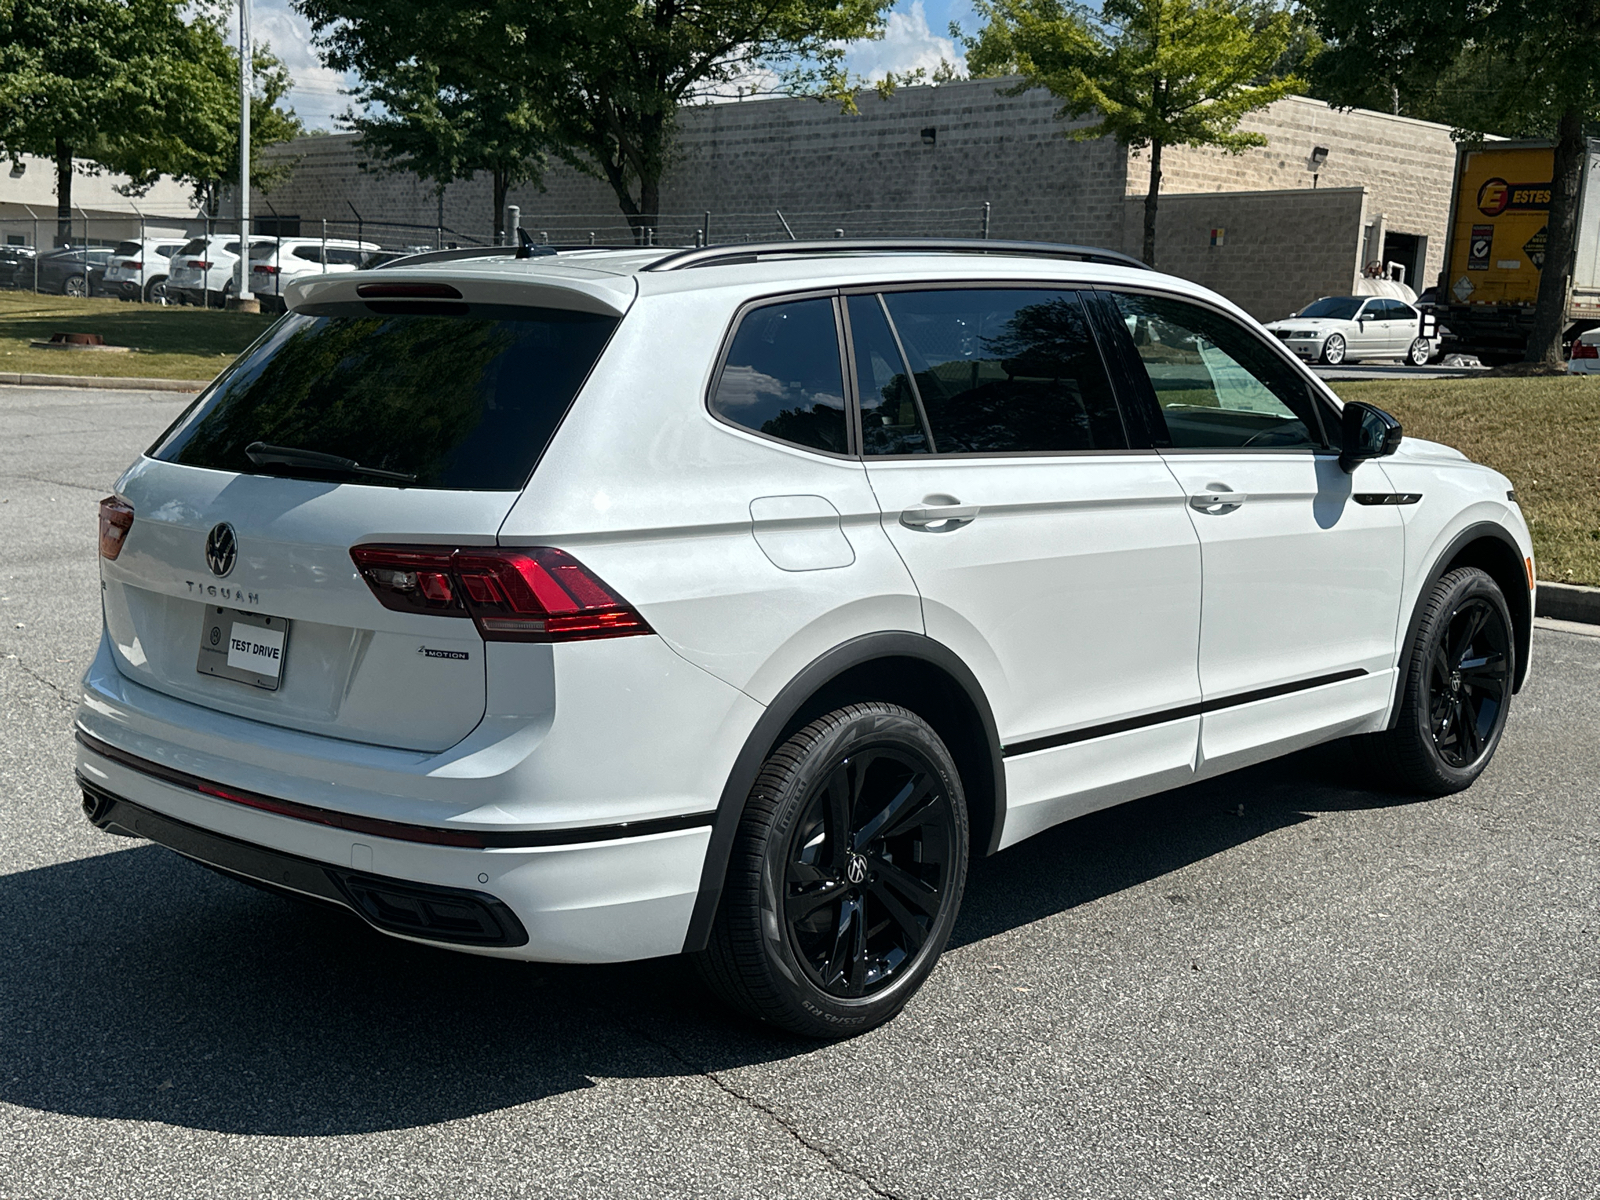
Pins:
x: 464, y: 401
x: 126, y: 248
x: 193, y: 246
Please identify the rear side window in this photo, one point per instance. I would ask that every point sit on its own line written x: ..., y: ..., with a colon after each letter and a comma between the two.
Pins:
x: 1007, y: 370
x: 167, y: 251
x: 309, y: 253
x: 463, y: 401
x: 782, y: 376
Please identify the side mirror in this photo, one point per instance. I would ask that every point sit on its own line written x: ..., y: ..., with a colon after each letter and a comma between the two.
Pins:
x: 1368, y: 433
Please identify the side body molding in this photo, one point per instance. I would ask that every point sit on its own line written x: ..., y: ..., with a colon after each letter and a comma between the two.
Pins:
x: 792, y: 707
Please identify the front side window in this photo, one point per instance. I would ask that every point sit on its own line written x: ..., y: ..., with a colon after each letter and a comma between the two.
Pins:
x: 1217, y: 385
x: 1007, y: 370
x: 782, y: 376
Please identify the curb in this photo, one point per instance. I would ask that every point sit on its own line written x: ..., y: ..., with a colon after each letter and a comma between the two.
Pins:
x: 1568, y: 602
x: 112, y: 382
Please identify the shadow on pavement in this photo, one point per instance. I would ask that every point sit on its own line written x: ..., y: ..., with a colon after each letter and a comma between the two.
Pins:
x: 136, y: 985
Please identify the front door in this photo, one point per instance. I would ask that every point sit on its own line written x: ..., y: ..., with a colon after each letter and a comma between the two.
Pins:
x: 1302, y: 580
x: 1057, y: 562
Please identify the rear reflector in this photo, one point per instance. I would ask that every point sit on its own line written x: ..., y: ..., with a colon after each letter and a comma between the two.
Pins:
x: 534, y: 595
x: 407, y: 291
x: 116, y: 518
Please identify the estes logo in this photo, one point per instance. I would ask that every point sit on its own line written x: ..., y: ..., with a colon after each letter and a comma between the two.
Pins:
x: 1497, y: 196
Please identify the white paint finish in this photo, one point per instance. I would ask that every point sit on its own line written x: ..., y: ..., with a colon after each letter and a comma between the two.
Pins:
x: 1048, y: 787
x: 800, y: 533
x: 1250, y: 733
x: 1300, y: 580
x: 661, y: 508
x: 592, y: 733
x: 1072, y: 594
x: 592, y: 902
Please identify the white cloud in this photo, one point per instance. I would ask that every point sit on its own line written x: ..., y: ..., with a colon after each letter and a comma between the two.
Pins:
x: 907, y: 43
x: 317, y: 94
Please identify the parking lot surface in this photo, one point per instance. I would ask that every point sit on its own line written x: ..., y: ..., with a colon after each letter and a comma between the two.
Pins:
x: 1276, y: 984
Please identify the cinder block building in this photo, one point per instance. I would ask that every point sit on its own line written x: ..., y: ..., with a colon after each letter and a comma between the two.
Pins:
x: 1272, y: 228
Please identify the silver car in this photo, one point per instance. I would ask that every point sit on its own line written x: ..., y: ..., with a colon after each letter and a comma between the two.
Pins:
x: 1337, y: 329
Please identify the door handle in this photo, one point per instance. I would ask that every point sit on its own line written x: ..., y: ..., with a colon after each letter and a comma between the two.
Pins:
x: 1217, y: 503
x: 939, y: 518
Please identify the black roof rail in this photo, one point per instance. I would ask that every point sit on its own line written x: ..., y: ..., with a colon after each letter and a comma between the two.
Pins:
x: 533, y: 250
x: 709, y: 256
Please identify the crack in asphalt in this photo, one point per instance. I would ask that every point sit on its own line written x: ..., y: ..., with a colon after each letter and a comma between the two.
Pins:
x: 11, y: 656
x: 82, y: 487
x: 760, y: 1106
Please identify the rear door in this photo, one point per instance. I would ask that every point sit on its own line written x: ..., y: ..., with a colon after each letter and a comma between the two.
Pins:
x: 227, y: 543
x: 1051, y: 555
x: 1302, y: 579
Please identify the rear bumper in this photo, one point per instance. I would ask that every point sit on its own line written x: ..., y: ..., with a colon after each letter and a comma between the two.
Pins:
x: 610, y: 900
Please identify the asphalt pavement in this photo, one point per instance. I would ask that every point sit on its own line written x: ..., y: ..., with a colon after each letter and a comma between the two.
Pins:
x: 1277, y: 984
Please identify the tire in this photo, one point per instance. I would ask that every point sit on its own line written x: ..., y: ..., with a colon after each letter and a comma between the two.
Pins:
x: 155, y: 292
x: 75, y: 285
x: 1452, y: 714
x: 826, y: 936
x: 1333, y: 350
x: 1420, y: 352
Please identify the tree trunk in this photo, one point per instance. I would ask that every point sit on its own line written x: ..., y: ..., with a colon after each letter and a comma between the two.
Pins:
x: 1151, y: 199
x: 650, y: 204
x: 501, y: 187
x: 63, y: 193
x: 1550, y: 315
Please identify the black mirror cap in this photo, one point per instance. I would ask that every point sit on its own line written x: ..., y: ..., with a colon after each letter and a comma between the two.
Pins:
x: 1368, y: 432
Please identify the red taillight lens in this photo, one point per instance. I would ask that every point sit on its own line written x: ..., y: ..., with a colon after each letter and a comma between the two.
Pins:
x: 265, y: 269
x: 200, y: 265
x: 534, y: 595
x: 133, y: 266
x: 1585, y: 350
x: 116, y: 518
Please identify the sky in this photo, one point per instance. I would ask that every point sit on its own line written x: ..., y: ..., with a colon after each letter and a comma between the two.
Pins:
x: 917, y: 36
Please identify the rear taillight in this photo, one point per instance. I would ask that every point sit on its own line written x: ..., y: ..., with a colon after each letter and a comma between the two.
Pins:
x: 264, y: 269
x: 116, y: 518
x: 534, y: 595
x: 1585, y: 350
x: 200, y: 265
x: 132, y: 266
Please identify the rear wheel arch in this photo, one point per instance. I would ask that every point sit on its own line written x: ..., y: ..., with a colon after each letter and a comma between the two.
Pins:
x: 1491, y: 549
x: 901, y: 668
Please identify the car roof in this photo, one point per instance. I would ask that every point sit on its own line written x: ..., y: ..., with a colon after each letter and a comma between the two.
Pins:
x: 612, y: 277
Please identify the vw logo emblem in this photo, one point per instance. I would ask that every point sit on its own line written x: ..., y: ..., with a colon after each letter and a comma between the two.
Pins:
x: 221, y: 549
x: 855, y: 868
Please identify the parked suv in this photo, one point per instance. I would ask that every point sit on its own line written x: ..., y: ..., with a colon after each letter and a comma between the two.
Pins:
x: 274, y: 265
x: 602, y: 605
x: 204, y: 269
x: 138, y: 269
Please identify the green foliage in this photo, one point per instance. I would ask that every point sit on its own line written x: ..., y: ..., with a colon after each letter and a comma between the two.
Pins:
x: 602, y: 78
x: 1149, y: 72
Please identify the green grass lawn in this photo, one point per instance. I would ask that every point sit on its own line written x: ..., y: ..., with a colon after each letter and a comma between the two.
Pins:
x: 1543, y: 434
x: 168, y: 343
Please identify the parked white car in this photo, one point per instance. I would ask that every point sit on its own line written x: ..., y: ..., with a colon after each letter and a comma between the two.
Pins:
x: 604, y: 605
x: 1585, y: 358
x: 274, y: 265
x: 204, y: 269
x: 138, y: 270
x: 1338, y: 329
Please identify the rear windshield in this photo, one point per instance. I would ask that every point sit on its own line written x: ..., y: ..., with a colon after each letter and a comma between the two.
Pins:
x: 465, y: 401
x: 126, y: 248
x: 193, y: 246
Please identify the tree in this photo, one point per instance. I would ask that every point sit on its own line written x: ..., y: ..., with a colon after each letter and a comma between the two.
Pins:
x: 87, y: 78
x: 1519, y: 67
x: 604, y: 77
x: 1154, y: 73
x: 446, y: 129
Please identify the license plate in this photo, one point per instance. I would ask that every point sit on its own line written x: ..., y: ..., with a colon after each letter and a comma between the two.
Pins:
x: 242, y: 646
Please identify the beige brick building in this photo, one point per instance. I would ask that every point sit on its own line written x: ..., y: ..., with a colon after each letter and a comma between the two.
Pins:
x: 1272, y: 228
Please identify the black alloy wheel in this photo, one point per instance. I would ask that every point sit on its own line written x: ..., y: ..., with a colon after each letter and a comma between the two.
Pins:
x: 1458, y: 681
x: 845, y: 875
x: 1469, y: 682
x: 867, y: 868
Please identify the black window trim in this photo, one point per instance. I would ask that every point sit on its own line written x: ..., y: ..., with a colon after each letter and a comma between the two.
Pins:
x: 1083, y: 293
x: 1316, y: 390
x: 857, y: 427
x: 852, y: 416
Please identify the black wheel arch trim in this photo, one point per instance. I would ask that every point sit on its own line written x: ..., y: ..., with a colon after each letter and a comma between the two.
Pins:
x: 783, y: 709
x: 1519, y: 600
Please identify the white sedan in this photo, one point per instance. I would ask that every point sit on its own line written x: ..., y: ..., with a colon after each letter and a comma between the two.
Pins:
x: 1585, y: 358
x: 1337, y: 329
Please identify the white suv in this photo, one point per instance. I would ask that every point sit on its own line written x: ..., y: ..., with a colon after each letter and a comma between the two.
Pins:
x: 205, y: 269
x: 138, y: 270
x: 609, y: 604
x: 275, y: 265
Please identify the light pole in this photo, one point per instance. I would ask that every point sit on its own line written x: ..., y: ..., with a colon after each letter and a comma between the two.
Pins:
x: 243, y: 301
